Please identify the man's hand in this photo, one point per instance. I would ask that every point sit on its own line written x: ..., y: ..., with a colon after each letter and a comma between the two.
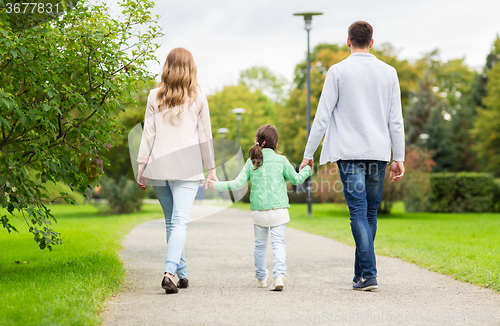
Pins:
x: 140, y: 180
x: 307, y: 162
x: 398, y: 169
x: 212, y: 178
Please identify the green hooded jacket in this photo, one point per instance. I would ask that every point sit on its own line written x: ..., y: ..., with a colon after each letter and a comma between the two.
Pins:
x: 268, y: 182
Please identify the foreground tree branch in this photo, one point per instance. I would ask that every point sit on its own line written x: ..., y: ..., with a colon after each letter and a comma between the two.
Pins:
x: 46, y: 132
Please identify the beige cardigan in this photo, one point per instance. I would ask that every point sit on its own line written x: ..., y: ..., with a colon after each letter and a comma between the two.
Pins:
x: 174, y: 152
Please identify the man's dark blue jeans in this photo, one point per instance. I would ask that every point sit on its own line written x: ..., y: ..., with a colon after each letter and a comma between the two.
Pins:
x: 363, y: 182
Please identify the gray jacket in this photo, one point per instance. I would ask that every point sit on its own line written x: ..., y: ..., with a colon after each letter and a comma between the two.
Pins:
x: 360, y: 111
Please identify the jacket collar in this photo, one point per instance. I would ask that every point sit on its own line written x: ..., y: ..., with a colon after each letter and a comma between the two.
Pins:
x: 362, y: 55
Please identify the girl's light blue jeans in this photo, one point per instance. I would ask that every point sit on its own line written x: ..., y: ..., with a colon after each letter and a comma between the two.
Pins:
x: 278, y: 242
x: 176, y: 198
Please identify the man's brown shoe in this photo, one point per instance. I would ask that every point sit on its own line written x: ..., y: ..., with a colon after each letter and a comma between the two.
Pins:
x: 183, y: 283
x: 168, y: 285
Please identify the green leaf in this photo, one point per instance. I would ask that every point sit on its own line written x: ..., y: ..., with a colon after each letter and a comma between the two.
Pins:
x: 5, y: 122
x: 7, y: 103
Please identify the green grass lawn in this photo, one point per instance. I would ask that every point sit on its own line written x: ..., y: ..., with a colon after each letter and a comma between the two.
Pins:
x: 465, y: 246
x: 68, y: 285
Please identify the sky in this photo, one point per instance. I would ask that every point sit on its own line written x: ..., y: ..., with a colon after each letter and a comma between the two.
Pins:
x: 228, y: 36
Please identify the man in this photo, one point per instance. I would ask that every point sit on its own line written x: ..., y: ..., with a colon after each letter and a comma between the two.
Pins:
x: 360, y: 111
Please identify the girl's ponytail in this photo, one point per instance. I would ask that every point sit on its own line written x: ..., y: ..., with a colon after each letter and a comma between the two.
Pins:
x: 256, y: 156
x: 266, y: 137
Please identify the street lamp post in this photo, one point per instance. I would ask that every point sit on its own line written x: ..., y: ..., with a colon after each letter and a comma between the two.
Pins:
x: 239, y: 112
x: 223, y: 132
x: 308, y: 14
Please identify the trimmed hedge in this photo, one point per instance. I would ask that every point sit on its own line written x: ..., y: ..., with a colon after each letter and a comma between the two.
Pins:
x: 496, y: 196
x: 462, y: 192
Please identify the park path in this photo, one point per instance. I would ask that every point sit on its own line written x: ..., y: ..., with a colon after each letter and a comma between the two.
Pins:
x: 223, y: 290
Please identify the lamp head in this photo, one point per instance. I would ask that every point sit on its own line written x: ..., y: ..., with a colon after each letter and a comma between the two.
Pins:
x: 239, y: 111
x: 308, y: 13
x: 223, y: 131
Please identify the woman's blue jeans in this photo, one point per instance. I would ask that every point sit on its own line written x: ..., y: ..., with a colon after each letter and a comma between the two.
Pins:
x: 363, y: 182
x: 176, y: 198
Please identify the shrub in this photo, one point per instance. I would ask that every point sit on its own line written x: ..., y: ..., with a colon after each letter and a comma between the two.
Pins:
x: 123, y: 196
x: 295, y: 198
x: 416, y: 192
x: 462, y: 192
x: 415, y: 184
x: 496, y: 196
x: 326, y: 184
x: 391, y: 193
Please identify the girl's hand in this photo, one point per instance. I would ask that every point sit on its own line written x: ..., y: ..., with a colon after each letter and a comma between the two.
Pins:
x: 210, y: 183
x: 212, y: 178
x: 140, y: 179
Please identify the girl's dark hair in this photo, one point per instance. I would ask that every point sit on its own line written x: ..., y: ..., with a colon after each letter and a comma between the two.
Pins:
x: 266, y: 137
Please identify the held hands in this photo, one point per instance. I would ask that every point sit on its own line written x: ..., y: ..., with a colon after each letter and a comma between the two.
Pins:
x: 210, y: 184
x: 398, y: 170
x: 140, y: 179
x: 212, y: 178
x: 307, y: 162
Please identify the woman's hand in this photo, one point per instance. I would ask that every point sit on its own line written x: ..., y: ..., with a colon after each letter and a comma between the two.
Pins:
x: 212, y: 178
x: 210, y: 184
x: 140, y: 179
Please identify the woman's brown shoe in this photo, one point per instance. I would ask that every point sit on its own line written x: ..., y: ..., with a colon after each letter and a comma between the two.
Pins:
x: 183, y: 283
x: 168, y: 285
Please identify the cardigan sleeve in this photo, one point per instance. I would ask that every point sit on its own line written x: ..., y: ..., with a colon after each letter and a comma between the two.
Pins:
x: 148, y: 133
x: 237, y: 183
x: 295, y: 177
x: 205, y: 134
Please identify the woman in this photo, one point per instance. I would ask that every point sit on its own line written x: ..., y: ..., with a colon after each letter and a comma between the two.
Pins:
x: 177, y: 135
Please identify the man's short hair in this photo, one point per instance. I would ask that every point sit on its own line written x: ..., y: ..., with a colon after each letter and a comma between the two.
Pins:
x: 360, y: 33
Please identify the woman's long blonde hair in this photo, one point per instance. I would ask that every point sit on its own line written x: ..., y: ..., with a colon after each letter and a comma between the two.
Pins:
x: 178, y: 82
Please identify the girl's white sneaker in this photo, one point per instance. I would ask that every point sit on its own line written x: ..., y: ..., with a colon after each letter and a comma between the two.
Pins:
x: 278, y: 284
x: 263, y: 283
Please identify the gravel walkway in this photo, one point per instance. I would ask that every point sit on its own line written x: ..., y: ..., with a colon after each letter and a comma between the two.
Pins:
x: 318, y: 288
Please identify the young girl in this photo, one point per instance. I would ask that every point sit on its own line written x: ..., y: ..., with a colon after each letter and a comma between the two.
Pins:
x: 267, y: 172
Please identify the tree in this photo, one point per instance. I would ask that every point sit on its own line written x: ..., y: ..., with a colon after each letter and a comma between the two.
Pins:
x: 478, y: 89
x: 61, y: 84
x: 260, y: 111
x: 418, y: 113
x: 450, y: 80
x: 461, y: 123
x: 263, y: 79
x: 487, y: 125
x: 445, y: 88
x: 440, y: 142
